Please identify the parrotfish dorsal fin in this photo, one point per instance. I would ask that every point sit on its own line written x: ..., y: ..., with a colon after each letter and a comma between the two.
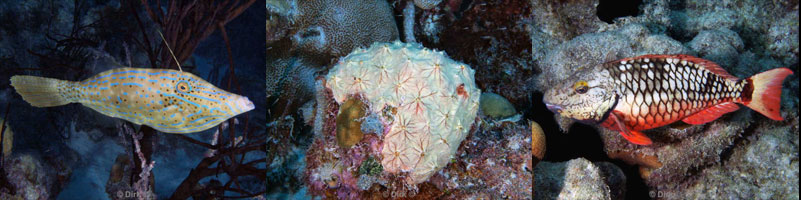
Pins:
x: 711, y: 113
x: 703, y: 63
x: 708, y: 65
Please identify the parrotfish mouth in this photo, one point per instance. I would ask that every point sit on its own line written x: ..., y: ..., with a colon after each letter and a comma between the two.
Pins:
x: 553, y: 108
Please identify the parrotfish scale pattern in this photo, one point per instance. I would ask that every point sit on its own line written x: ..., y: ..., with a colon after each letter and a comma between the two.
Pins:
x: 660, y: 90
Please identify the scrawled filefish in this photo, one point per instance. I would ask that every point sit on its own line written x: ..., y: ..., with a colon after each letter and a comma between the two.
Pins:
x: 634, y: 94
x: 167, y: 100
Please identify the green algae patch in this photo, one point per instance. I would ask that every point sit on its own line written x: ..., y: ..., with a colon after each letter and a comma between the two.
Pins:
x: 496, y: 106
x: 370, y: 167
x: 348, y: 122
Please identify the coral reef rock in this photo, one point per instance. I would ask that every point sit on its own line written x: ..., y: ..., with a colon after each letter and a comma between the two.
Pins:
x: 565, y: 20
x: 430, y: 101
x: 493, y: 163
x: 29, y: 177
x: 762, y: 165
x: 490, y: 36
x: 773, y: 154
x: 334, y: 28
x: 592, y: 49
x: 721, y: 46
x: 496, y: 106
x: 767, y: 26
x: 426, y: 4
x: 578, y: 179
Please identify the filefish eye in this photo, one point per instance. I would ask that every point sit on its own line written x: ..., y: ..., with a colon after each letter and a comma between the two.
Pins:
x: 581, y: 87
x: 183, y: 86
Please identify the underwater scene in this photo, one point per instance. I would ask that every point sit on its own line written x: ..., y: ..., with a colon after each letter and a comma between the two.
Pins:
x: 476, y: 99
x: 399, y: 99
x: 132, y: 99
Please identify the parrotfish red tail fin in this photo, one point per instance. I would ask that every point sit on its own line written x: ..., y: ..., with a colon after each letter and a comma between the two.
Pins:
x: 632, y: 136
x: 40, y: 91
x: 765, y: 92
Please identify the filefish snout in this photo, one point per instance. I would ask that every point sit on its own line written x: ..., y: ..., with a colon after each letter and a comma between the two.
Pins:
x: 243, y: 104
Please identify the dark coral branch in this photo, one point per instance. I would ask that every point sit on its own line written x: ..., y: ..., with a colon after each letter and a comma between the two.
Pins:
x: 194, y: 141
x: 145, y: 45
x: 196, y: 18
x: 203, y: 169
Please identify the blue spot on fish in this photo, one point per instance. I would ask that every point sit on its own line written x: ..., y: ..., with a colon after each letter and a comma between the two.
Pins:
x: 136, y: 84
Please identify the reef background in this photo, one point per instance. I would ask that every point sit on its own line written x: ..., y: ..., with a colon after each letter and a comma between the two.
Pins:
x: 72, y: 151
x: 518, y: 48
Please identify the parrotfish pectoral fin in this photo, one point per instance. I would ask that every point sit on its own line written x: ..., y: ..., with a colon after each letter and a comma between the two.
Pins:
x: 712, y: 113
x: 41, y: 91
x: 635, y: 137
x: 767, y: 92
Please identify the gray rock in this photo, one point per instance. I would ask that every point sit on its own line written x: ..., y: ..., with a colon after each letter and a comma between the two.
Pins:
x: 578, y: 179
x: 766, y: 167
x: 721, y: 46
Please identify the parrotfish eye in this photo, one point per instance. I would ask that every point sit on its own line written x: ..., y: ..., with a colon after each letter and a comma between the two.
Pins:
x: 581, y: 87
x: 183, y: 86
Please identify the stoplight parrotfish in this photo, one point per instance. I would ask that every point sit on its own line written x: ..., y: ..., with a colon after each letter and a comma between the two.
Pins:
x: 645, y: 92
x: 167, y: 100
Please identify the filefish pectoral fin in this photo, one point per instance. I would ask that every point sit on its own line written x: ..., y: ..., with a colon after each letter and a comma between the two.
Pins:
x: 632, y: 136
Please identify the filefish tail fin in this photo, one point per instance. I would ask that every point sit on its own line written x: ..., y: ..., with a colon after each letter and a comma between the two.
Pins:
x: 766, y: 93
x: 41, y: 91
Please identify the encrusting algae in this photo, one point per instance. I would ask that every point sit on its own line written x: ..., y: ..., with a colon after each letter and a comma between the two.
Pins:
x: 349, y: 123
x: 167, y: 100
